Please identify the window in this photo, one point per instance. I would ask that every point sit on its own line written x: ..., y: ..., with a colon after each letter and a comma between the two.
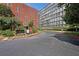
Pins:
x: 17, y: 15
x: 17, y: 9
x: 8, y: 4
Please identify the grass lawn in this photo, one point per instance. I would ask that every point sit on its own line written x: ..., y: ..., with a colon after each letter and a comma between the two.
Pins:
x: 72, y: 33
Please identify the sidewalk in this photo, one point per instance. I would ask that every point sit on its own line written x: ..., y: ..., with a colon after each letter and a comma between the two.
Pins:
x: 54, y: 31
x: 19, y: 36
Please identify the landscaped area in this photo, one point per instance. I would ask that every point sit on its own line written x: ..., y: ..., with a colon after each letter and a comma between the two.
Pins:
x: 24, y: 32
x: 10, y: 26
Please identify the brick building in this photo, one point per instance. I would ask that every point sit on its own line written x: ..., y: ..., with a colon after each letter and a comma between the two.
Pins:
x: 24, y: 13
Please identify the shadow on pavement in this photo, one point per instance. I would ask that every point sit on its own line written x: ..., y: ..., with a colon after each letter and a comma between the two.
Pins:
x: 66, y: 38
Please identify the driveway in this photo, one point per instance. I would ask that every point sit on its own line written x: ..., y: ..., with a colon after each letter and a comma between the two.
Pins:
x: 44, y: 44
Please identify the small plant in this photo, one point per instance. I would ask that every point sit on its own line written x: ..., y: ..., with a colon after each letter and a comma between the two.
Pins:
x: 7, y: 33
x: 40, y: 28
x: 34, y: 30
x: 20, y: 30
x: 31, y: 23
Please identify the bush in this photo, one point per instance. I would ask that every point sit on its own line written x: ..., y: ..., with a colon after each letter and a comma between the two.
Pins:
x: 20, y: 30
x: 0, y: 32
x: 72, y: 29
x: 34, y: 30
x: 7, y: 33
x: 9, y: 23
x: 40, y: 29
x: 57, y: 29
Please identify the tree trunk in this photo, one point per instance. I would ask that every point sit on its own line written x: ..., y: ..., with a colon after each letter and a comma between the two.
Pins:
x: 76, y: 29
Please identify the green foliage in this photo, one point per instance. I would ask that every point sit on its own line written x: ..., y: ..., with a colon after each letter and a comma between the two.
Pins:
x: 72, y: 33
x: 21, y: 28
x: 75, y: 33
x: 60, y: 4
x: 7, y: 33
x: 40, y: 28
x: 72, y: 28
x: 72, y: 14
x: 5, y: 11
x: 34, y: 29
x: 8, y: 23
x: 31, y: 23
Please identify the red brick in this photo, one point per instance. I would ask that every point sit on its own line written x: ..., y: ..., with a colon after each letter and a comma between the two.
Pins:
x: 23, y: 12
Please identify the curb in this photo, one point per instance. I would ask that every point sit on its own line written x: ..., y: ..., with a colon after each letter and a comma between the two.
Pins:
x: 56, y: 31
x: 15, y: 37
x: 5, y: 38
x: 32, y: 35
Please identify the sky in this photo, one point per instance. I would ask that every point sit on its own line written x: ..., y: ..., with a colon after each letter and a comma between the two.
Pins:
x: 37, y: 6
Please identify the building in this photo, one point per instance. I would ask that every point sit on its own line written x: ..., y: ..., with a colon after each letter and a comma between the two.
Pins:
x: 24, y: 13
x: 50, y: 17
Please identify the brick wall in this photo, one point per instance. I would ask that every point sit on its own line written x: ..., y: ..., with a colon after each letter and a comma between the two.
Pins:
x: 24, y: 13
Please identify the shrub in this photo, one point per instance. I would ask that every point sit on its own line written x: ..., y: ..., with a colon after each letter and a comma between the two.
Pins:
x: 0, y: 32
x: 7, y: 33
x: 40, y: 29
x: 20, y: 30
x: 31, y: 24
x: 34, y: 30
x: 72, y: 29
x: 8, y: 23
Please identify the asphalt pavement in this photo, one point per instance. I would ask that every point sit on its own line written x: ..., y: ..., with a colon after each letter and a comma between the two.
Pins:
x: 43, y: 44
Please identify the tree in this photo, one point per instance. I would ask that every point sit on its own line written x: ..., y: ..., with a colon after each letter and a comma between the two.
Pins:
x: 71, y: 16
x: 7, y: 19
x: 31, y: 25
x: 5, y: 11
x: 8, y: 23
x: 14, y: 23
